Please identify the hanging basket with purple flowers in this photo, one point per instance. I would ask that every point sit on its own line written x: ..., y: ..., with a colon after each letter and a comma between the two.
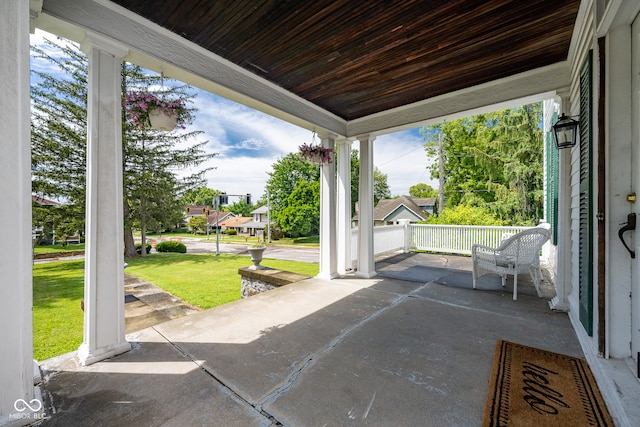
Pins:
x: 144, y: 110
x: 315, y: 154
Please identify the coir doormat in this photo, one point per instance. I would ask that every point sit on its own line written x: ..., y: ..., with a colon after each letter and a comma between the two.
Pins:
x: 533, y: 387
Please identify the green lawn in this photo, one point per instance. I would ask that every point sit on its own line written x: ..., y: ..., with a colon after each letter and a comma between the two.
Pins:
x: 204, y: 281
x: 49, y: 249
x: 310, y: 241
x: 58, y: 288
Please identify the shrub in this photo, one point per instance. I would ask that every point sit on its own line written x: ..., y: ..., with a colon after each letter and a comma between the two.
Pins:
x: 276, y: 232
x: 465, y: 215
x: 139, y: 248
x: 171, y: 246
x: 230, y: 232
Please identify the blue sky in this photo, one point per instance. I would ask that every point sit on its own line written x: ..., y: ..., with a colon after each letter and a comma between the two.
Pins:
x: 248, y: 142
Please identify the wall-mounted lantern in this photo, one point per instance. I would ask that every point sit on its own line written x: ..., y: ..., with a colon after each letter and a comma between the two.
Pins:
x: 566, y: 132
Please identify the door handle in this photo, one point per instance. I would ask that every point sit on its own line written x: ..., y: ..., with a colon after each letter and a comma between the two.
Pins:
x: 628, y: 226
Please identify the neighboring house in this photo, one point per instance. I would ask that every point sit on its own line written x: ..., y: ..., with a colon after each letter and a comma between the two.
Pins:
x: 195, y: 210
x: 259, y: 221
x: 39, y: 231
x: 428, y: 204
x: 236, y: 223
x: 222, y: 216
x: 390, y: 211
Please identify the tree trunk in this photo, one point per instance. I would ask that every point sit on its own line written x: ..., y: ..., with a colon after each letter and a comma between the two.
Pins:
x: 143, y: 207
x: 143, y: 227
x: 129, y: 244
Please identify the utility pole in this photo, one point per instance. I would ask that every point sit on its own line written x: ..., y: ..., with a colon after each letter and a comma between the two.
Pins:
x: 441, y: 180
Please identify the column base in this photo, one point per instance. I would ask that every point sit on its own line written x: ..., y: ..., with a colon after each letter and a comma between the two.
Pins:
x: 328, y: 276
x: 88, y: 357
x: 557, y: 305
x: 363, y: 275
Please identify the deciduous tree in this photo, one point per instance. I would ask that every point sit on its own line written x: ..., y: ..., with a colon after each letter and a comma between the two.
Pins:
x: 497, y: 158
x: 289, y: 171
x: 197, y: 223
x: 423, y: 191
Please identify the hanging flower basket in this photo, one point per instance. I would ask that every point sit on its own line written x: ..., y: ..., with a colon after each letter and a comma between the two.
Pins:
x: 146, y: 110
x: 315, y: 154
x: 160, y: 120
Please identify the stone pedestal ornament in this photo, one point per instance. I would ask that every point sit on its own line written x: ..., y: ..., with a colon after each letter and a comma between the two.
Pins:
x: 256, y: 256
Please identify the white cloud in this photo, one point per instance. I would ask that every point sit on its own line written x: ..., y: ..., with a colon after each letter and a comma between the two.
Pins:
x: 401, y: 156
x: 229, y: 124
x: 240, y: 175
x: 248, y: 142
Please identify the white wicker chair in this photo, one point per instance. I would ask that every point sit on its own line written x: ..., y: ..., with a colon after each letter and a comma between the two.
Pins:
x: 517, y: 254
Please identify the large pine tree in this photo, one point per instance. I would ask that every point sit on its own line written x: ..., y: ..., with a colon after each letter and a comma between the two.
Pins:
x: 150, y: 158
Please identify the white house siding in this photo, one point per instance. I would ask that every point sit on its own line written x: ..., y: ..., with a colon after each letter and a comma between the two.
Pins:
x: 619, y: 184
x: 618, y: 178
x: 615, y: 370
x: 635, y: 183
x: 583, y: 42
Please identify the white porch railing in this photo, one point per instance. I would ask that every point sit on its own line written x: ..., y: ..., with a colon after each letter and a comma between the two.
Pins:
x: 454, y: 239
x: 457, y: 239
x: 386, y: 238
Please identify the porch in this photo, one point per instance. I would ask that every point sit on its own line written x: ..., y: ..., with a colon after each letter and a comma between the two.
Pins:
x: 412, y: 346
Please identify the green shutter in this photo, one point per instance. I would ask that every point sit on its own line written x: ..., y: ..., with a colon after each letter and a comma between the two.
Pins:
x: 586, y: 205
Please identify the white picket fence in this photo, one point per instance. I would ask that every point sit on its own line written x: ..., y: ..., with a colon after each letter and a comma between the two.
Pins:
x: 457, y: 239
x: 453, y: 239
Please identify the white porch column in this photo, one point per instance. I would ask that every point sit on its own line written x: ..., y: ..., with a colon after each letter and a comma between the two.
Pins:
x: 328, y: 246
x: 366, y: 264
x: 104, y: 251
x: 563, y: 282
x: 16, y: 335
x: 344, y: 206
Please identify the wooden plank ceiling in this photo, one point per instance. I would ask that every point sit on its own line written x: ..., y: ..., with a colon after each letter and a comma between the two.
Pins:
x: 356, y: 58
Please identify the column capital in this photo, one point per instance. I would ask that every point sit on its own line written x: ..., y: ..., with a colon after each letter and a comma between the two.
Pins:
x: 35, y: 7
x: 105, y: 44
x: 323, y: 134
x: 563, y: 99
x: 345, y: 141
x: 366, y: 137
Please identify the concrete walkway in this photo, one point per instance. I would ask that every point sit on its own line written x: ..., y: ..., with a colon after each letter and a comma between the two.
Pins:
x: 147, y: 305
x: 411, y: 347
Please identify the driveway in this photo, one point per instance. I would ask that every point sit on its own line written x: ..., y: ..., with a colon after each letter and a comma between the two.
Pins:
x: 203, y: 246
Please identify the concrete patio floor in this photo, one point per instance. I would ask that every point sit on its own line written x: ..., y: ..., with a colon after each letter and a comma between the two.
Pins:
x: 412, y: 346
